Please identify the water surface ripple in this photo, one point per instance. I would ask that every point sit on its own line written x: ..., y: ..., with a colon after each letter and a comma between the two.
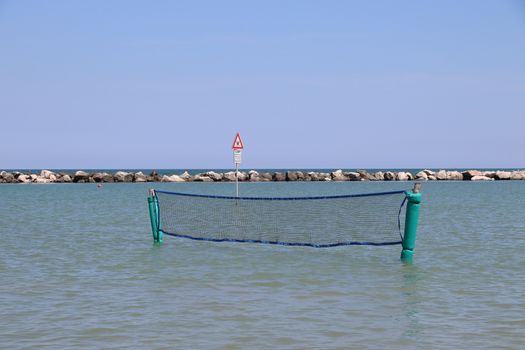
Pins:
x: 78, y: 271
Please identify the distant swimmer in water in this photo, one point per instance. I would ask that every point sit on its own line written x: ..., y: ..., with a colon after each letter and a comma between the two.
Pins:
x: 99, y: 185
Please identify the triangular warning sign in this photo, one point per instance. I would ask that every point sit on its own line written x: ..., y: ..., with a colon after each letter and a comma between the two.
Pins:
x: 237, y: 143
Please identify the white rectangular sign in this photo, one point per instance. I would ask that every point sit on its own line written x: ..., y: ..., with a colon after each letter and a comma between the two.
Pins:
x: 237, y: 156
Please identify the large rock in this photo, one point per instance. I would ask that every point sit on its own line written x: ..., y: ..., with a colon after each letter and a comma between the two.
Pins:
x: 174, y: 178
x: 469, y: 174
x: 403, y: 176
x: 503, y: 175
x: 122, y: 176
x: 441, y: 175
x: 291, y: 176
x: 102, y: 177
x: 154, y: 177
x: 517, y: 175
x: 279, y: 176
x: 229, y: 176
x: 454, y: 175
x: 379, y: 176
x: 389, y: 176
x: 140, y: 177
x: 202, y: 178
x: 265, y: 177
x: 353, y: 176
x: 22, y: 178
x: 338, y: 175
x: 80, y: 176
x: 42, y: 180
x: 313, y: 176
x: 491, y: 174
x: 365, y: 175
x: 67, y: 178
x: 242, y: 176
x: 253, y: 176
x: 7, y: 177
x: 481, y: 178
x: 423, y: 176
x: 214, y: 176
x: 46, y: 174
x: 186, y: 176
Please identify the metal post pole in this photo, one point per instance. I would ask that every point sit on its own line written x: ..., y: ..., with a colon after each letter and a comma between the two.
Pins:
x: 411, y: 221
x: 237, y: 179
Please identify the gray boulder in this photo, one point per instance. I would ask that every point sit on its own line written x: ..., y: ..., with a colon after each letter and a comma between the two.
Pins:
x: 403, y: 176
x: 291, y: 176
x: 481, y: 178
x: 80, y: 176
x: 517, y: 175
x: 389, y: 176
x: 423, y: 176
x: 67, y: 178
x: 253, y: 176
x: 186, y: 176
x: 46, y: 174
x: 101, y: 177
x: 454, y: 176
x: 353, y: 176
x: 441, y: 175
x: 229, y: 176
x: 365, y: 175
x: 503, y: 175
x: 122, y: 176
x: 22, y: 178
x: 175, y: 178
x: 265, y: 177
x: 338, y: 175
x: 243, y: 176
x: 379, y: 176
x: 42, y: 180
x: 202, y: 178
x: 279, y: 176
x: 469, y: 174
x: 313, y: 176
x: 140, y: 177
x: 491, y: 174
x: 7, y: 177
x: 214, y: 176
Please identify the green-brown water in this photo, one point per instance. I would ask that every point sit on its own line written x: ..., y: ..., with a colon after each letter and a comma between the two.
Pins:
x: 78, y: 271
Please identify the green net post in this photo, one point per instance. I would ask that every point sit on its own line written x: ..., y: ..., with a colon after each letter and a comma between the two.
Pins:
x: 153, y: 206
x: 411, y: 220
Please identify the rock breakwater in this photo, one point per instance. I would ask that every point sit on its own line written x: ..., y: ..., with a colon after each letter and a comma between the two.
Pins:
x: 48, y: 176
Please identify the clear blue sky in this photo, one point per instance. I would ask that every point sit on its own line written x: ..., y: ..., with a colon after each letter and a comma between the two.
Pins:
x: 309, y: 84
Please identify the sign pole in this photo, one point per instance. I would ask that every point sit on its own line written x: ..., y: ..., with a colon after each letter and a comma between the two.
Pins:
x: 237, y: 179
x: 237, y: 148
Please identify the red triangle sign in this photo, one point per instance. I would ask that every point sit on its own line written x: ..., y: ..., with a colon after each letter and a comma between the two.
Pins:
x: 237, y: 143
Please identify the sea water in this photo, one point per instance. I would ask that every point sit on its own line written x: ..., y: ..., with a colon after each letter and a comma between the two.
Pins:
x: 78, y: 270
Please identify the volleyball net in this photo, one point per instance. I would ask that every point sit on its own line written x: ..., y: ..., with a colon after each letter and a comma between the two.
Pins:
x: 321, y: 222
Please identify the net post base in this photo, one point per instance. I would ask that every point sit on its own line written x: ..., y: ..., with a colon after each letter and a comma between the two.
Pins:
x: 407, y: 255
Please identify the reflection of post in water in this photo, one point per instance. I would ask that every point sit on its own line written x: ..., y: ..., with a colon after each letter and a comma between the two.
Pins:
x: 409, y: 289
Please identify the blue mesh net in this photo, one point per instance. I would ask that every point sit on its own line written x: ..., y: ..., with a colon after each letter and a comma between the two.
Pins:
x: 327, y: 221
